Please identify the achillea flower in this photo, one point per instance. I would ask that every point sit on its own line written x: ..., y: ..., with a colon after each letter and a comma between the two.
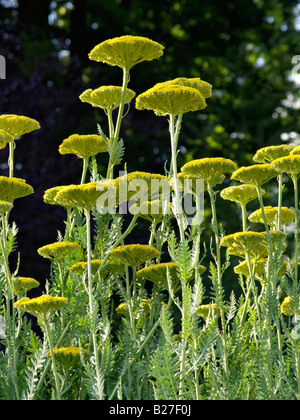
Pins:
x: 84, y: 196
x: 241, y: 194
x: 286, y: 307
x: 171, y: 100
x: 134, y: 255
x: 42, y: 307
x: 144, y: 186
x: 126, y: 51
x: 151, y: 210
x: 106, y: 97
x: 25, y: 283
x: 289, y: 164
x: 108, y: 268
x: 58, y: 250
x: 259, y: 268
x: 5, y: 138
x: 210, y: 310
x: 204, y: 88
x: 5, y: 206
x: 287, y: 215
x: 295, y: 150
x: 157, y: 273
x: 244, y: 242
x: 17, y: 125
x: 50, y: 195
x: 12, y: 188
x: 256, y: 175
x: 83, y: 146
x: 212, y: 170
x: 270, y: 153
x: 68, y: 356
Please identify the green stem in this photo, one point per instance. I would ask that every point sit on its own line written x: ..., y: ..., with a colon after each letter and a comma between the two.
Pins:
x: 244, y: 217
x: 84, y: 170
x: 177, y: 204
x: 219, y: 268
x: 11, y: 159
x: 295, y: 181
x: 52, y: 358
x: 279, y: 200
x: 115, y: 136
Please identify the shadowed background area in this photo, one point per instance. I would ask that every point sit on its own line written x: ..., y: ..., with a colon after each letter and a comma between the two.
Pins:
x: 244, y: 49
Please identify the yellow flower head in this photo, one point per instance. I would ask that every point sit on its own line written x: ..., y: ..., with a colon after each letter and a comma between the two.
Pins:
x: 287, y: 215
x: 143, y: 185
x: 17, y: 125
x: 256, y: 175
x: 270, y: 153
x: 210, y: 310
x: 157, y: 274
x: 244, y: 242
x: 242, y: 194
x: 289, y: 164
x: 294, y: 151
x: 83, y: 146
x: 5, y: 138
x: 134, y: 255
x: 259, y: 268
x: 58, y: 250
x: 68, y: 356
x: 204, y: 88
x: 151, y: 210
x: 5, y: 206
x: 171, y: 100
x: 26, y: 283
x: 126, y: 51
x: 212, y: 170
x: 13, y: 188
x: 50, y: 195
x: 107, y: 268
x: 286, y: 307
x: 84, y: 196
x: 42, y: 307
x: 106, y: 97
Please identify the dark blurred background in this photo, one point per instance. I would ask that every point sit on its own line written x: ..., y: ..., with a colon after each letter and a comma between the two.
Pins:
x: 243, y: 48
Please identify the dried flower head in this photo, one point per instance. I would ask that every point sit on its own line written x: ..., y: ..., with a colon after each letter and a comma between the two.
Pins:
x: 83, y: 146
x: 25, y: 283
x: 126, y: 51
x: 289, y: 164
x: 171, y: 100
x: 270, y: 153
x: 256, y: 175
x: 134, y: 254
x: 241, y: 194
x: 106, y: 97
x: 58, y: 250
x: 42, y: 307
x: 17, y: 125
x: 212, y: 170
x: 12, y: 188
x: 287, y: 215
